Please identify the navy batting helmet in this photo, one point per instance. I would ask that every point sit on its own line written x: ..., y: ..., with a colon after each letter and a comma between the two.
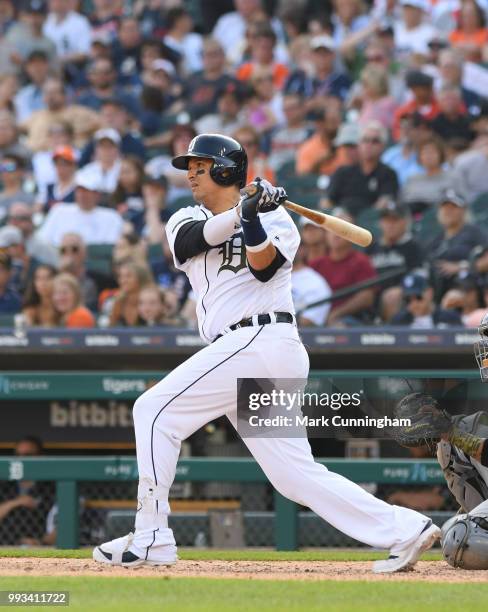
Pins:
x: 229, y: 158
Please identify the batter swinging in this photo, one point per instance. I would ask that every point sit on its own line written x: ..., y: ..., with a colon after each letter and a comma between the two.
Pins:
x: 238, y: 254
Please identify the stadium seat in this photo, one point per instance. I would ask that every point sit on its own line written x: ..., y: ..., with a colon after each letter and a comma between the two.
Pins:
x: 99, y: 258
x: 426, y: 227
x: 181, y: 202
x: 304, y: 190
x: 7, y: 320
x: 286, y: 171
x: 369, y: 219
x: 479, y: 208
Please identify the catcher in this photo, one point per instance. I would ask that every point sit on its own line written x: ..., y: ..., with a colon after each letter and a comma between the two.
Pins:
x: 461, y: 445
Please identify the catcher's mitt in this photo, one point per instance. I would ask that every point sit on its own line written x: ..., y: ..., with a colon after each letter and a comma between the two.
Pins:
x: 427, y: 421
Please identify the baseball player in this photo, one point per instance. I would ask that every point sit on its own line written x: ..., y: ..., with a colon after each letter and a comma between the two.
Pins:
x: 237, y: 252
x: 461, y: 446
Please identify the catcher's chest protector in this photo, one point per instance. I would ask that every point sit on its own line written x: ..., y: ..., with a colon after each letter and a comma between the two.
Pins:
x: 463, y: 479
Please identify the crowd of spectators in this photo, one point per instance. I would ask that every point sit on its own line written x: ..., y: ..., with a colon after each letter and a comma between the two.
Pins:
x: 381, y: 106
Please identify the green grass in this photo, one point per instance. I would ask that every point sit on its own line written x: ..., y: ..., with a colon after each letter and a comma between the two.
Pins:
x: 196, y: 554
x: 210, y: 595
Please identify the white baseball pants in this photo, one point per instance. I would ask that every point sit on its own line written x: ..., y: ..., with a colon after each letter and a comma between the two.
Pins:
x: 204, y: 388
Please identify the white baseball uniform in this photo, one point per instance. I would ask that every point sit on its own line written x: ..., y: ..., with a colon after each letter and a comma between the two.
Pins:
x: 204, y: 388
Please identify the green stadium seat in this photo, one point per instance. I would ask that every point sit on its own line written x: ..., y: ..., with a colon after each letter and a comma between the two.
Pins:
x: 369, y: 219
x: 426, y: 227
x: 479, y: 208
x: 286, y: 171
x: 304, y: 190
x: 99, y: 258
x: 181, y: 202
x: 155, y: 251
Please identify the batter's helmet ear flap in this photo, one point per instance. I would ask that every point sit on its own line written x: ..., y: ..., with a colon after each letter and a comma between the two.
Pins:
x: 229, y: 158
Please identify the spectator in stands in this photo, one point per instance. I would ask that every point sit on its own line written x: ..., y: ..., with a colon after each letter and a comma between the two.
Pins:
x: 12, y: 175
x: 473, y: 319
x: 37, y: 307
x: 257, y: 164
x: 20, y: 215
x: 263, y: 107
x: 107, y: 163
x: 63, y: 188
x: 12, y: 242
x: 229, y: 116
x: 396, y: 251
x: 115, y: 115
x: 470, y: 170
x: 131, y: 278
x: 24, y: 503
x: 157, y: 308
x: 181, y: 38
x: 263, y: 58
x: 181, y: 136
x: 68, y: 303
x: 83, y: 120
x: 464, y: 297
x: 126, y: 51
x: 325, y: 81
x: 471, y: 35
x: 104, y: 19
x: 10, y: 302
x: 26, y: 35
x: 402, y: 157
x: 308, y: 286
x: 69, y: 31
x: 72, y: 259
x: 102, y: 77
x: 95, y: 224
x: 376, y: 102
x: 452, y: 121
x: 286, y: 139
x: 317, y: 155
x: 359, y: 186
x: 413, y: 31
x: 203, y: 90
x: 230, y: 28
x: 155, y: 192
x: 450, y: 250
x: 423, y: 190
x: 423, y: 102
x: 420, y: 310
x: 30, y: 97
x: 9, y: 137
x: 451, y: 73
x: 127, y: 197
x: 60, y: 134
x: 342, y: 267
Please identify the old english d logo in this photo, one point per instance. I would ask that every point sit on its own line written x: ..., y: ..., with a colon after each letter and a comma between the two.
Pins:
x: 233, y: 254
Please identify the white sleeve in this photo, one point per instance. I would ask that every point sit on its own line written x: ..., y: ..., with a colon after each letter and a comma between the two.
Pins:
x: 48, y: 229
x: 82, y: 42
x: 181, y: 216
x: 282, y: 232
x: 319, y: 289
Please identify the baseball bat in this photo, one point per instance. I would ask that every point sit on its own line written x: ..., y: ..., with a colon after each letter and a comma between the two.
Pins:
x: 340, y: 227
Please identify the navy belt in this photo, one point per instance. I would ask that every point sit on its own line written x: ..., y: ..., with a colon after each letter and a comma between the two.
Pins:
x: 262, y: 319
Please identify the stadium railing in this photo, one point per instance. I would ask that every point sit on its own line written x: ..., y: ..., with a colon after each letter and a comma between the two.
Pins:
x: 67, y: 472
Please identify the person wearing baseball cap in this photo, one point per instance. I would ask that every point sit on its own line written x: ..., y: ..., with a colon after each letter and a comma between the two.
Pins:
x: 326, y: 80
x: 420, y: 310
x: 395, y: 250
x: 107, y: 159
x: 63, y: 188
x: 95, y: 224
x: 450, y: 250
x: 423, y: 102
x: 413, y: 32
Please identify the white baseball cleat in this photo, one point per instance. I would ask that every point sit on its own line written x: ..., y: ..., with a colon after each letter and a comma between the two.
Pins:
x: 116, y: 552
x: 403, y: 559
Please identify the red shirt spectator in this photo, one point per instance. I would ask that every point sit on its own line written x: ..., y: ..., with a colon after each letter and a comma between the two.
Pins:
x: 423, y: 102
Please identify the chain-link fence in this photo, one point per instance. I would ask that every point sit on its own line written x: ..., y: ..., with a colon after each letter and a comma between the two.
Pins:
x: 216, y: 514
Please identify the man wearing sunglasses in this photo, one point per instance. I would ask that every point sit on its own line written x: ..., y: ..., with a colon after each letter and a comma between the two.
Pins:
x: 420, y: 310
x: 359, y: 186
